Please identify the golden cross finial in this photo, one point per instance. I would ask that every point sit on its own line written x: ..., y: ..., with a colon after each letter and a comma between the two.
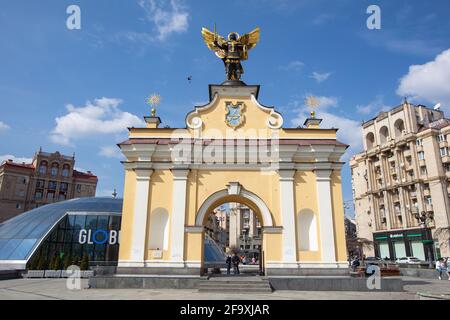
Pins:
x: 312, y: 102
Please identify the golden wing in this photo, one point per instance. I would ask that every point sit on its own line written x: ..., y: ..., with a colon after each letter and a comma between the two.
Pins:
x: 250, y: 39
x: 210, y: 38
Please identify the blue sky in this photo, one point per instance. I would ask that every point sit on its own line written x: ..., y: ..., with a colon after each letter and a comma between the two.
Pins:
x: 77, y: 90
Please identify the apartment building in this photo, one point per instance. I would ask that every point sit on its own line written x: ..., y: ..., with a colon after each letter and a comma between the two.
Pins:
x: 401, y: 183
x: 50, y: 177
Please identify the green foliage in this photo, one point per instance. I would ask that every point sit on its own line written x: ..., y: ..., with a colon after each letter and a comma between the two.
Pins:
x: 84, y: 265
x: 52, y: 263
x: 67, y: 262
x: 42, y: 262
x: 76, y: 260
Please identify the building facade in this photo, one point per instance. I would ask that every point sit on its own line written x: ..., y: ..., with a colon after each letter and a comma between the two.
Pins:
x: 50, y: 177
x: 175, y: 177
x: 245, y: 230
x: 401, y: 183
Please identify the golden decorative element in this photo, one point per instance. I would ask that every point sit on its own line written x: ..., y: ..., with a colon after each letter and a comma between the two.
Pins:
x: 154, y: 100
x: 312, y: 102
x: 233, y: 50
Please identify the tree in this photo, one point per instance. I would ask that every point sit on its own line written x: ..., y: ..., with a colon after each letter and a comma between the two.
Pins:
x: 84, y: 265
x: 442, y: 235
x: 56, y: 263
x: 67, y: 261
x: 42, y: 263
x: 51, y: 265
x: 358, y: 244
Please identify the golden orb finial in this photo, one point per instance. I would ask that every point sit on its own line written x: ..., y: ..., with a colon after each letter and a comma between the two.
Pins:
x: 312, y: 102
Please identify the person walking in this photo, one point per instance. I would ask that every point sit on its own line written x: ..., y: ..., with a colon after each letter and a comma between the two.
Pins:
x: 448, y: 268
x: 440, y: 267
x: 228, y: 262
x: 236, y: 261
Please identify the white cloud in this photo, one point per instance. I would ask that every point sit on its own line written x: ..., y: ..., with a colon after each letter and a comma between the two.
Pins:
x: 111, y: 152
x: 3, y: 126
x: 15, y: 159
x: 375, y: 105
x: 429, y: 81
x: 102, y: 116
x: 320, y: 77
x: 295, y: 65
x: 167, y: 16
x: 349, y: 132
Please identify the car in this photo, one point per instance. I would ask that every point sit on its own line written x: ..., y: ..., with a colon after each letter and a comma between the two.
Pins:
x: 408, y: 260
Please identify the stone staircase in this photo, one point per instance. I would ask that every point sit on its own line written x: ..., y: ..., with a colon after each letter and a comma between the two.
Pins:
x: 235, y: 284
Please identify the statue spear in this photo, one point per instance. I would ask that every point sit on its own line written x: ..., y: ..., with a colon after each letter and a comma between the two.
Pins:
x: 215, y: 32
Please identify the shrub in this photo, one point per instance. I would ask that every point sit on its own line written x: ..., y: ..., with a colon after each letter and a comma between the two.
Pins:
x: 84, y: 265
x: 42, y: 263
x: 67, y: 262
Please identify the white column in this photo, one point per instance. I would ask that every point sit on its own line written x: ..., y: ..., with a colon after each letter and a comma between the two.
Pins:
x: 325, y: 215
x: 288, y: 215
x: 178, y: 214
x: 140, y: 216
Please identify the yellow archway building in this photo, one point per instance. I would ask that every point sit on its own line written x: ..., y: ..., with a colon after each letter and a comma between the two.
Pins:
x: 232, y: 150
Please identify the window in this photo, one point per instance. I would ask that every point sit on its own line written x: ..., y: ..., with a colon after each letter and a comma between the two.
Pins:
x: 18, y: 206
x: 443, y: 151
x: 441, y: 138
x: 63, y: 187
x: 50, y: 195
x: 421, y: 155
x: 78, y: 188
x: 54, y: 170
x: 423, y: 170
x: 65, y: 170
x: 419, y: 142
x: 52, y: 185
x: 62, y: 197
x: 43, y: 167
x: 40, y: 184
x: 38, y: 195
x: 429, y: 201
x: 24, y: 180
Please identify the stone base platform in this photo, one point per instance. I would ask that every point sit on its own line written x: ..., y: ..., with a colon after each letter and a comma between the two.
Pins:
x: 299, y: 283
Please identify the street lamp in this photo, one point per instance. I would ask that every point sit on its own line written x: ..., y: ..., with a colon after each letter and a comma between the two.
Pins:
x: 423, y: 218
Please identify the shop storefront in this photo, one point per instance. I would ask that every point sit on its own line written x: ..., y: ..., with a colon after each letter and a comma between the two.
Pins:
x: 404, y: 243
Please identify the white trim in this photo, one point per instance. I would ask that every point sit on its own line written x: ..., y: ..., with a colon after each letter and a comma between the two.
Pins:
x: 287, y: 209
x: 326, y: 225
x: 265, y: 212
x: 307, y: 265
x: 193, y: 121
x: 275, y: 120
x: 140, y: 215
x: 13, y: 264
x: 178, y: 216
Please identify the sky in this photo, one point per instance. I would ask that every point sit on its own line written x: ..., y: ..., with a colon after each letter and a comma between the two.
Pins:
x: 78, y: 90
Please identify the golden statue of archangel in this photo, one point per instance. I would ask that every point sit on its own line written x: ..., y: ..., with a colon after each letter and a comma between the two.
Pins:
x: 231, y: 51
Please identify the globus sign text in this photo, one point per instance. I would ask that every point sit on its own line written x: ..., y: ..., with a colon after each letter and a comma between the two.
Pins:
x: 99, y: 236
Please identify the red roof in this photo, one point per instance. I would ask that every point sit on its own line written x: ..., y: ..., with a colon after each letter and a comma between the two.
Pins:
x: 300, y: 142
x: 10, y: 163
x: 84, y: 175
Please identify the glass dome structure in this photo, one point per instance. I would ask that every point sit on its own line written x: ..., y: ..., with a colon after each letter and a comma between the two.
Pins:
x: 21, y: 236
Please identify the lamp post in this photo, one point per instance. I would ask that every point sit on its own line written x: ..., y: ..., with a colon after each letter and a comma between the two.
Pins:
x: 423, y: 219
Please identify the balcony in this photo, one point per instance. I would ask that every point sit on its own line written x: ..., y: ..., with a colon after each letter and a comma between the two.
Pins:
x: 407, y: 152
x: 426, y: 192
x: 429, y: 207
x: 422, y: 163
x: 393, y: 170
x: 447, y: 174
x: 443, y: 144
x: 413, y: 194
x: 419, y: 148
x: 414, y: 210
x: 445, y: 159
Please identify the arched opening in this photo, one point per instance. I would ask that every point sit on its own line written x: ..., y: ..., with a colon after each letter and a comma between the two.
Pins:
x: 65, y: 171
x: 399, y: 127
x: 307, y: 231
x: 159, y: 230
x: 370, y: 140
x: 232, y: 226
x: 43, y: 167
x: 384, y: 134
x: 54, y: 169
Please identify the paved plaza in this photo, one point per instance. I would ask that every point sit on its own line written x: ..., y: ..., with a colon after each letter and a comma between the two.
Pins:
x: 55, y: 289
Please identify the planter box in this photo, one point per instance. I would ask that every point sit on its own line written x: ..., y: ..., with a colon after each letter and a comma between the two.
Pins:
x: 34, y: 274
x: 66, y: 274
x: 87, y: 273
x: 53, y: 273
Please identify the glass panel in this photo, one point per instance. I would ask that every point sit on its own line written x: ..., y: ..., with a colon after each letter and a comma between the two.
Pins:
x: 399, y: 249
x: 91, y: 222
x: 80, y: 222
x: 24, y: 248
x: 418, y: 250
x: 8, y: 249
x: 384, y: 251
x: 102, y: 222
